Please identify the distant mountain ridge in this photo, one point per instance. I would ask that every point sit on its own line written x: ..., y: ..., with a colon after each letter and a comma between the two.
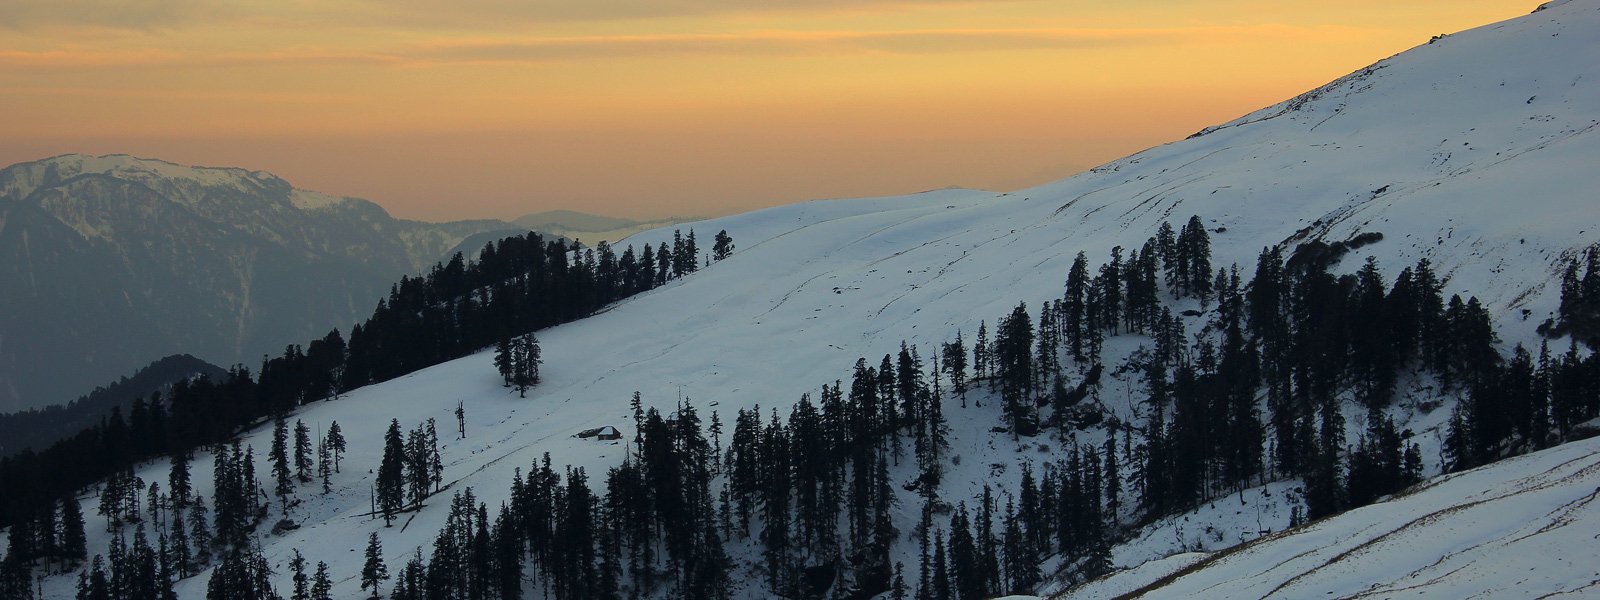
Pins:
x: 110, y: 262
x: 592, y: 228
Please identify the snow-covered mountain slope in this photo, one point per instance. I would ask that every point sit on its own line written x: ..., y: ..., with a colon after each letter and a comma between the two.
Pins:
x: 1476, y: 151
x: 1522, y: 528
x: 110, y: 262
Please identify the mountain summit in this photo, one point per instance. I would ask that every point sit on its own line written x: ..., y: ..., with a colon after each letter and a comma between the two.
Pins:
x: 109, y: 262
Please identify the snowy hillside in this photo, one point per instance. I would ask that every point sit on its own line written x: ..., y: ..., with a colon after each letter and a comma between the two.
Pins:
x: 1523, y: 527
x: 1476, y: 151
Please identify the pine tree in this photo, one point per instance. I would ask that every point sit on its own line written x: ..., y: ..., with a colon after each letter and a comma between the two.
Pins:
x: 321, y: 583
x: 1194, y: 249
x: 391, y: 475
x: 418, y: 476
x: 435, y: 460
x: 525, y: 363
x: 373, y: 571
x: 941, y: 569
x: 1113, y: 475
x: 280, y: 463
x: 980, y: 352
x: 1109, y: 301
x: 71, y: 542
x: 302, y: 451
x: 180, y: 557
x: 336, y: 444
x: 1022, y: 562
x: 325, y: 466
x: 178, y: 486
x: 954, y: 358
x: 154, y: 502
x: 664, y: 262
x: 1167, y: 247
x: 647, y: 268
x: 691, y: 253
x: 680, y: 255
x: 301, y: 583
x: 1013, y: 367
x: 1074, y: 305
x: 94, y: 584
x: 503, y: 359
x: 199, y: 533
x: 723, y: 247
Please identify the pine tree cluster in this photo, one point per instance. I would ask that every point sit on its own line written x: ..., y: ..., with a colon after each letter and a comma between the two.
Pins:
x: 517, y: 359
x: 412, y: 469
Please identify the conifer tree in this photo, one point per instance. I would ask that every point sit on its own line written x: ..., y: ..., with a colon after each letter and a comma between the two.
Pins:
x: 525, y: 363
x: 178, y: 486
x: 94, y: 584
x: 280, y: 463
x: 435, y: 460
x: 681, y: 259
x: 321, y: 583
x: 1194, y: 253
x: 691, y: 253
x: 373, y: 571
x: 1166, y: 247
x: 1113, y: 475
x: 303, y: 463
x: 154, y: 502
x: 1074, y: 305
x: 647, y: 268
x: 954, y: 358
x: 1022, y: 562
x: 1014, y: 369
x: 336, y: 444
x: 325, y: 466
x: 1109, y: 301
x: 73, y: 544
x: 503, y: 360
x: 199, y: 532
x: 664, y: 261
x: 980, y: 352
x: 941, y: 569
x: 180, y: 556
x: 723, y: 247
x: 299, y: 579
x: 391, y: 475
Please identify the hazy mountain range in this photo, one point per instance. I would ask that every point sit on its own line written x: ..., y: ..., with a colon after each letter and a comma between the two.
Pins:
x: 108, y: 263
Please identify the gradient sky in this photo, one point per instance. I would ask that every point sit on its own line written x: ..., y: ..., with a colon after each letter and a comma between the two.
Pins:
x: 445, y: 109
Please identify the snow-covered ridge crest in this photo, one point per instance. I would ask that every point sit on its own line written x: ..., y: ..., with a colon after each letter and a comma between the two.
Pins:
x: 1470, y: 151
x: 189, y: 184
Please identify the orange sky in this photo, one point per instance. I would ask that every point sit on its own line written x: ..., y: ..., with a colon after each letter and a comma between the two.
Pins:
x: 495, y: 108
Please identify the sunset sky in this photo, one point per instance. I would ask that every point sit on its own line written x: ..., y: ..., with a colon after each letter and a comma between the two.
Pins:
x: 496, y: 108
